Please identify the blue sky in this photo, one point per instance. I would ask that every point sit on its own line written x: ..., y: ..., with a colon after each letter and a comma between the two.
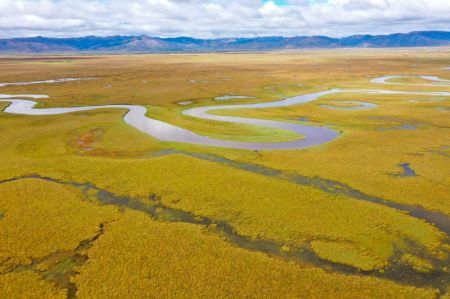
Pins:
x: 277, y: 2
x: 219, y: 18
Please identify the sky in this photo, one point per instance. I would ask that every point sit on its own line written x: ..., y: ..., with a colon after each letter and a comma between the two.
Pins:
x: 219, y: 18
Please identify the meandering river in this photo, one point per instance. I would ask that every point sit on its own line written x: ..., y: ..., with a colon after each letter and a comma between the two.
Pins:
x: 309, y: 135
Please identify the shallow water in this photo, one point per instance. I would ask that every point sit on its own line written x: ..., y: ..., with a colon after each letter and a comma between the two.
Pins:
x: 45, y: 81
x: 231, y: 97
x: 386, y: 80
x: 407, y: 170
x: 184, y: 103
x: 427, y: 100
x: 136, y: 116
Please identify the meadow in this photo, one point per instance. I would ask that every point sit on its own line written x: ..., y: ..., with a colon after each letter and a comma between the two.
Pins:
x: 90, y: 207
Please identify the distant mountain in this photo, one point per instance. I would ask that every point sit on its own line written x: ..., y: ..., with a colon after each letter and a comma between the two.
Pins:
x: 149, y: 44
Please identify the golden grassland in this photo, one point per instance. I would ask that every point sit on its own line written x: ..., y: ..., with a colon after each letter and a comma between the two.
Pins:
x: 58, y: 219
x: 373, y: 145
x: 139, y: 255
x: 339, y: 103
x: 174, y: 265
x: 28, y: 284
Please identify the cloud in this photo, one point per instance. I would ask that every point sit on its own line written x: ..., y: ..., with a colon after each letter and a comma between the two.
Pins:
x: 219, y: 18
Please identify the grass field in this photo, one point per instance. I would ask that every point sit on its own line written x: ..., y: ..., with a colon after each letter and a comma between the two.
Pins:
x: 90, y: 207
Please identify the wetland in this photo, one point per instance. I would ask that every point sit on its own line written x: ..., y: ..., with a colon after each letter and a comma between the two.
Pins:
x: 335, y: 188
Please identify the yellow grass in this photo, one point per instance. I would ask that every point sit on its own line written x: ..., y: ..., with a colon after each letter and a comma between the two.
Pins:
x: 42, y: 218
x: 42, y: 223
x: 28, y: 285
x: 179, y: 261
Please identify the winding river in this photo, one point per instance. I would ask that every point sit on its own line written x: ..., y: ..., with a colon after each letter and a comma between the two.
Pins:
x: 136, y: 116
x: 438, y: 80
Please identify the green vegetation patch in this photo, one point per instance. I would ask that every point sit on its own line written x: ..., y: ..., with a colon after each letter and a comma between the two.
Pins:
x: 342, y: 104
x: 347, y: 254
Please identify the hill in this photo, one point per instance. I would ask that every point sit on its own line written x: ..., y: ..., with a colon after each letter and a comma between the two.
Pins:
x: 149, y: 44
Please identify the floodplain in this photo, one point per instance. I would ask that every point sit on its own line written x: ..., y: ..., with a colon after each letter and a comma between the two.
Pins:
x: 92, y: 207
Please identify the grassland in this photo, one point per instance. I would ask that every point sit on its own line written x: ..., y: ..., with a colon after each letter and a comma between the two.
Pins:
x: 92, y: 208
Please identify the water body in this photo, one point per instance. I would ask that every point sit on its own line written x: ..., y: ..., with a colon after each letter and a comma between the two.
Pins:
x: 184, y: 103
x: 386, y: 80
x: 232, y: 97
x: 136, y: 116
x: 360, y: 105
x: 209, y: 81
x: 313, y: 135
x: 407, y: 170
x: 427, y: 100
x: 45, y: 81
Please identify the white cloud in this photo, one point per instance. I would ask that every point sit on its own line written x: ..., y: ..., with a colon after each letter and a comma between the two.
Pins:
x: 219, y: 18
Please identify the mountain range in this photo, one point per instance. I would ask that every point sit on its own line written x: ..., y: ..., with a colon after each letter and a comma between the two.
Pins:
x: 147, y: 44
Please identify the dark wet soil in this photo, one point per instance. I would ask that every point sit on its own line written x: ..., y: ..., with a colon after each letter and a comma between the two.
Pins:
x: 59, y: 267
